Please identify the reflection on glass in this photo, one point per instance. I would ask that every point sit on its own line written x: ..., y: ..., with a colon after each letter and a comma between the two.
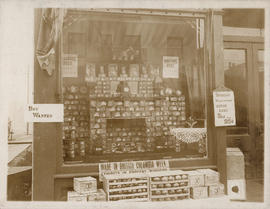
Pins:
x: 236, y: 79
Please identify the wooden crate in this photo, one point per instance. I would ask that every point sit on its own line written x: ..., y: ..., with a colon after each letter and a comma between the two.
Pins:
x: 126, y: 187
x: 196, y: 178
x: 216, y: 190
x: 235, y: 164
x: 168, y: 185
x: 99, y: 195
x: 211, y: 177
x: 77, y: 197
x: 85, y: 185
x: 199, y: 192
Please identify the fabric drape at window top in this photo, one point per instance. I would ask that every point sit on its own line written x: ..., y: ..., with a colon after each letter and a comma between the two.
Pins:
x: 50, y: 27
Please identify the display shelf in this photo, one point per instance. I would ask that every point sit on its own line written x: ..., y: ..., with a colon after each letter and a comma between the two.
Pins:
x: 165, y: 182
x: 170, y: 188
x: 128, y: 182
x: 129, y: 195
x: 169, y: 195
x: 125, y: 98
x: 124, y: 179
x: 127, y: 188
x: 161, y: 178
x: 135, y: 199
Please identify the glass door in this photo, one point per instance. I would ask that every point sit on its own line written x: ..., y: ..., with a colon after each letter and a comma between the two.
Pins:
x: 258, y: 65
x: 244, y: 74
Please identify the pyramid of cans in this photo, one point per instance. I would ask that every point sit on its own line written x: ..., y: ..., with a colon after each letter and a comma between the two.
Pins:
x: 160, y: 115
x: 169, y: 112
x: 103, y: 87
x: 76, y: 121
x: 85, y: 189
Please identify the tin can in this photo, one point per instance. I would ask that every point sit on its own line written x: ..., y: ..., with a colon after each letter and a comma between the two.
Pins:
x: 71, y: 153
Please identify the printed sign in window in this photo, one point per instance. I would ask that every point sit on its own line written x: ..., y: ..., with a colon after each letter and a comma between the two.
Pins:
x: 224, y: 108
x: 170, y: 67
x: 70, y: 65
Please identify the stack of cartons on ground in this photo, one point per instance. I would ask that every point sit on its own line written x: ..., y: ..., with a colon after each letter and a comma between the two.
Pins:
x: 86, y: 190
x: 205, y: 183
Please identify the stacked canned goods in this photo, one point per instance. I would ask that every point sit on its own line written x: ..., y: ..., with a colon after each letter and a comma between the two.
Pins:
x: 169, y: 112
x: 76, y: 121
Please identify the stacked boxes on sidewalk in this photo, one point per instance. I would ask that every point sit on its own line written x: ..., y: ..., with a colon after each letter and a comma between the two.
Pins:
x: 196, y: 184
x: 205, y: 183
x: 236, y: 183
x: 86, y: 190
x: 150, y: 186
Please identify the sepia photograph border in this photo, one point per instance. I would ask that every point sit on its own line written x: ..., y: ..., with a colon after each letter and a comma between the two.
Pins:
x: 16, y: 12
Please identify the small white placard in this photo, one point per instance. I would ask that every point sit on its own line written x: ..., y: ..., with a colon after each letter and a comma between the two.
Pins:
x: 170, y: 67
x: 224, y: 108
x: 69, y: 65
x: 44, y: 113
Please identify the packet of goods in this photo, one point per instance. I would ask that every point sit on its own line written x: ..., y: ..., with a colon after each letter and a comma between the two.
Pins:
x: 198, y: 192
x: 211, y: 177
x: 216, y: 190
x: 99, y: 195
x: 196, y: 178
x: 75, y: 196
x: 85, y: 185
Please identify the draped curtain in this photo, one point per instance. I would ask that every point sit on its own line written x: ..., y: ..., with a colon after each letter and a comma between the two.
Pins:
x: 51, y: 24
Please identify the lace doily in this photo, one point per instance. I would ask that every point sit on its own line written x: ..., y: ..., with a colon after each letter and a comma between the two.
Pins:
x: 189, y: 135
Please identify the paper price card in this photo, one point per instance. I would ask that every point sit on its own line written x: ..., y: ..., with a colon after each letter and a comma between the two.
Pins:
x: 170, y: 67
x: 44, y: 113
x: 224, y: 108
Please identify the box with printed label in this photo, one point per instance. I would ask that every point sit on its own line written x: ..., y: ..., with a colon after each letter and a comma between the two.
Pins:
x: 216, y: 190
x: 196, y: 178
x: 211, y: 177
x: 85, y: 184
x: 236, y: 189
x: 198, y: 192
x: 75, y: 196
x: 99, y: 195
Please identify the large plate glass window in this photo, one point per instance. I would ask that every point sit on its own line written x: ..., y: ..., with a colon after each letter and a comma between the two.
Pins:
x: 134, y: 87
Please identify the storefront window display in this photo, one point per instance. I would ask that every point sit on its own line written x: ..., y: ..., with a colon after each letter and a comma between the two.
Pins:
x: 133, y: 87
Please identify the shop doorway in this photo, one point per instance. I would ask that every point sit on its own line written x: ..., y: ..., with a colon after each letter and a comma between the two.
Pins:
x: 244, y: 74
